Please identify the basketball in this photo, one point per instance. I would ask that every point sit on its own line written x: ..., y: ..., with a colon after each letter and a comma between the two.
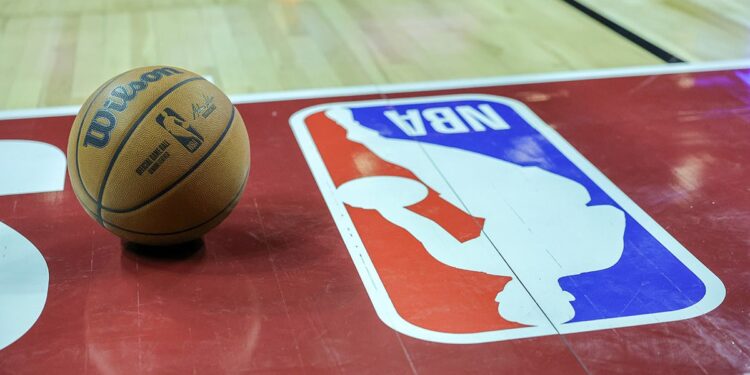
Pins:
x: 158, y: 155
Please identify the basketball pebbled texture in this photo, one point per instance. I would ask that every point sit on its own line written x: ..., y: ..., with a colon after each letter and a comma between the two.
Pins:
x: 158, y: 155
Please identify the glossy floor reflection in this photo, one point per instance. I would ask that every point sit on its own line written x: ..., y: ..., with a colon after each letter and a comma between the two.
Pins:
x: 275, y: 287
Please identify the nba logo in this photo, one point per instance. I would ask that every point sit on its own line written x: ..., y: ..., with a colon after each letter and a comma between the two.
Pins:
x: 180, y: 129
x: 470, y: 220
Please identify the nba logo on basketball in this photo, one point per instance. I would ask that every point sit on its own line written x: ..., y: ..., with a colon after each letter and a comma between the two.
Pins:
x: 180, y: 129
x: 470, y: 220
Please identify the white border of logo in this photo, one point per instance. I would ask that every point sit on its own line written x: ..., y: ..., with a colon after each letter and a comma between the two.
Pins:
x: 715, y: 290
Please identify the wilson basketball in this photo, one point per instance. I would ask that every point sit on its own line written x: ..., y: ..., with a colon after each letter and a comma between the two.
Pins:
x: 158, y: 155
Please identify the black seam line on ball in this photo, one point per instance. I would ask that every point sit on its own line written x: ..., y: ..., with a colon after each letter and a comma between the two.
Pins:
x: 127, y: 137
x: 184, y: 176
x: 231, y: 201
x: 80, y: 127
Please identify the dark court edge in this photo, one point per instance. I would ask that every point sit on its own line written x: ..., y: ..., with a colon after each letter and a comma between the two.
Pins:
x: 627, y: 34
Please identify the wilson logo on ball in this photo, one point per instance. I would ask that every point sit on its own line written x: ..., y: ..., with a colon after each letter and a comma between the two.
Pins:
x: 104, y: 120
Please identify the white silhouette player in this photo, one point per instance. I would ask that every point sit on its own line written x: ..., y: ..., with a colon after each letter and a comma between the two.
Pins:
x: 538, y: 221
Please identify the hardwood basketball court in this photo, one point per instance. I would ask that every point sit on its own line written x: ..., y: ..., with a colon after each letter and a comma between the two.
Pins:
x: 435, y: 187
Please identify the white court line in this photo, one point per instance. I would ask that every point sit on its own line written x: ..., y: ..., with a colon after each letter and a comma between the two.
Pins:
x: 9, y: 114
x: 431, y: 85
x: 394, y: 88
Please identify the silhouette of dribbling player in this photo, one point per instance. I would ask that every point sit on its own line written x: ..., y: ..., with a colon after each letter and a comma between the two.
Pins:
x: 538, y: 221
x: 180, y: 129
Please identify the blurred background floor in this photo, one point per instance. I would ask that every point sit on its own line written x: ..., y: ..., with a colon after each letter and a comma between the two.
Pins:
x: 57, y: 53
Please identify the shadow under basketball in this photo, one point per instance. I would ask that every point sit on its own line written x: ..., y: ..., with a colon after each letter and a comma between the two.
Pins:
x: 179, y: 251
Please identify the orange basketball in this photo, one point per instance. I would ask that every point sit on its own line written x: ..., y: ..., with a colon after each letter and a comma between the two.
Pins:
x: 158, y: 155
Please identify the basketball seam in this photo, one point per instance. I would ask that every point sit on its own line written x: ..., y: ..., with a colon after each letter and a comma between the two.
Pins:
x: 80, y: 127
x: 234, y: 200
x: 127, y: 137
x: 184, y: 176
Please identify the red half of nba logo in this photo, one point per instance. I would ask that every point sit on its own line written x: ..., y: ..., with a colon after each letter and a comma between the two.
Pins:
x: 470, y: 220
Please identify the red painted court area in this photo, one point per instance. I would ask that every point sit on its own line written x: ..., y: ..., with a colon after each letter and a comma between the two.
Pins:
x: 274, y: 288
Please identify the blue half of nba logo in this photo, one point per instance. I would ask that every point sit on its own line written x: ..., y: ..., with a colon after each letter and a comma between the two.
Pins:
x: 471, y: 220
